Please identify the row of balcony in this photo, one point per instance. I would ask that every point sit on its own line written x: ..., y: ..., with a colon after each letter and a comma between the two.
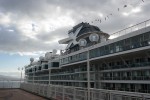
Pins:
x: 127, y: 78
x: 128, y: 89
x: 141, y: 64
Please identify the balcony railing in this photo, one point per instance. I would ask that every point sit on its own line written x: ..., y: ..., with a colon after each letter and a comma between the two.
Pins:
x: 142, y: 64
x: 127, y: 78
x: 131, y: 29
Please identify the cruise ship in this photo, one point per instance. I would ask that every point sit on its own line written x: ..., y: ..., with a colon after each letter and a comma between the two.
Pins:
x: 95, y: 65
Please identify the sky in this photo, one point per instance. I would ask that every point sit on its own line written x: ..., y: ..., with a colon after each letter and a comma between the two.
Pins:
x: 29, y: 28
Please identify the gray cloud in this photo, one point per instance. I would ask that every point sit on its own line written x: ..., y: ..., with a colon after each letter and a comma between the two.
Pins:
x: 52, y: 11
x: 59, y: 33
x: 16, y: 42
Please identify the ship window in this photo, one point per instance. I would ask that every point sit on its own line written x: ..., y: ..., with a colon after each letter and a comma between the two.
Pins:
x: 63, y: 60
x: 119, y: 63
x: 97, y: 52
x: 104, y: 65
x: 142, y: 60
x: 117, y: 47
x: 128, y: 61
x: 102, y: 51
x: 80, y: 56
x: 141, y: 39
x: 55, y: 64
x: 77, y: 56
x: 107, y: 49
x: 84, y: 55
x: 46, y: 66
x: 146, y: 39
x: 121, y: 45
x: 148, y: 59
x: 111, y: 48
x: 136, y: 41
x: 127, y: 44
x: 73, y: 58
x: 91, y: 54
x: 70, y: 57
x: 146, y: 36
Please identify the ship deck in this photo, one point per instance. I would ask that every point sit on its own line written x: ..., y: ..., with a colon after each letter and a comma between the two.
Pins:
x: 18, y: 94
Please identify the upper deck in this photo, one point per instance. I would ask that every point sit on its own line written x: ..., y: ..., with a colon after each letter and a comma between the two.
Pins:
x: 134, y: 38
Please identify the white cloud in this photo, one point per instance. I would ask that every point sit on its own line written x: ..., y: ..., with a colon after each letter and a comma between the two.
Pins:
x: 4, y: 19
x: 132, y: 12
x: 136, y: 10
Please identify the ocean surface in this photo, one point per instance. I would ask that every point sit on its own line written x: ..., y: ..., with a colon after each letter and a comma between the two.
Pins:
x: 9, y: 84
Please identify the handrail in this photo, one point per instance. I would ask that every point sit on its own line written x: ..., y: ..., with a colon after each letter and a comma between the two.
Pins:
x: 131, y: 28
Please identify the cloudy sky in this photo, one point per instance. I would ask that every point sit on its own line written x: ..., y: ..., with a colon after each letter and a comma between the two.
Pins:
x: 29, y: 28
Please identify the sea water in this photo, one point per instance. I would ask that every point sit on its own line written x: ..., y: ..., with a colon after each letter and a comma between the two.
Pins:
x: 9, y: 84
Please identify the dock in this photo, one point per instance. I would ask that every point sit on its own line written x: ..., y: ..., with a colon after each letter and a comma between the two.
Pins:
x: 18, y: 94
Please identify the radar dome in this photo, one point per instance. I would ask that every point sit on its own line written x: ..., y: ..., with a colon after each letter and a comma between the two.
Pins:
x: 82, y: 42
x: 41, y: 58
x: 31, y: 59
x: 94, y: 37
x: 54, y: 51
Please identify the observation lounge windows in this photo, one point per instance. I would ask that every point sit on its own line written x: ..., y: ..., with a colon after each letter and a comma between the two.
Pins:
x: 117, y: 47
x: 127, y: 45
x: 111, y: 48
x: 106, y: 49
x: 146, y: 39
x: 102, y: 51
x: 123, y: 45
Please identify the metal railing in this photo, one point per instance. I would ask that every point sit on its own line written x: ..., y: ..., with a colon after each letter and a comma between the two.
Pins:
x: 131, y: 29
x: 9, y: 84
x: 58, y: 92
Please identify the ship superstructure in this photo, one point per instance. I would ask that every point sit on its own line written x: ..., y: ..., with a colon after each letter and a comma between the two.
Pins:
x: 94, y: 66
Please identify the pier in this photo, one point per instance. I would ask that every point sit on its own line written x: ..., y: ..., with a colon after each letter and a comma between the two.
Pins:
x: 18, y: 94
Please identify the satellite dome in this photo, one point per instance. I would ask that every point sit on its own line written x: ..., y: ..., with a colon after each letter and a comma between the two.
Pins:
x: 94, y: 37
x: 41, y: 58
x: 54, y: 51
x: 31, y: 59
x: 82, y: 42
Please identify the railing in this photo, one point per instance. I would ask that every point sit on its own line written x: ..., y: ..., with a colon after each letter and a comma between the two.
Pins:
x: 133, y: 65
x: 9, y: 84
x: 131, y: 29
x: 58, y: 92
